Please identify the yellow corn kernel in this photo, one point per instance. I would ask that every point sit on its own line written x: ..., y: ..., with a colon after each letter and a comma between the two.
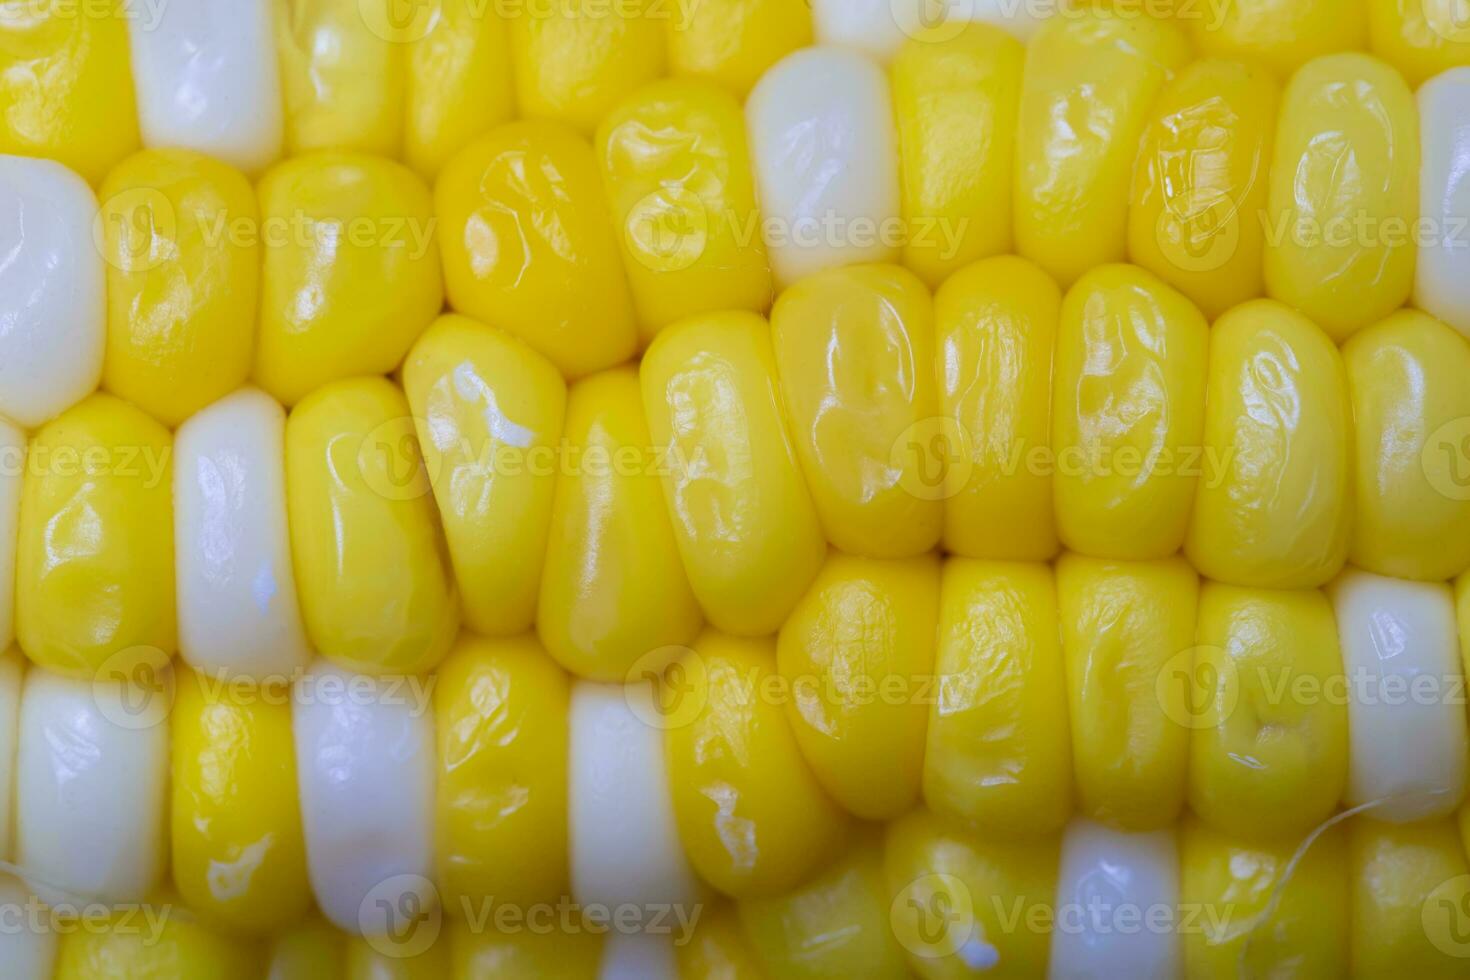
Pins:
x: 525, y: 954
x: 752, y: 818
x: 1128, y: 412
x: 613, y: 589
x: 94, y: 580
x: 1344, y: 193
x: 1410, y: 403
x: 182, y: 290
x: 342, y: 75
x: 955, y: 101
x: 501, y: 713
x: 66, y: 84
x: 12, y: 449
x: 1409, y: 888
x: 1462, y: 619
x: 955, y: 895
x: 1421, y: 38
x: 1281, y: 34
x: 239, y: 856
x: 576, y: 59
x: 351, y: 270
x: 733, y: 42
x: 155, y: 940
x: 458, y: 81
x: 529, y: 247
x: 395, y: 958
x: 1268, y: 750
x: 1090, y: 80
x: 998, y: 756
x: 997, y: 324
x: 1274, y: 505
x: 376, y: 590
x: 855, y: 351
x: 717, y: 949
x: 1200, y: 186
x: 1233, y: 884
x: 742, y: 515
x: 835, y: 925
x: 677, y: 170
x: 1122, y: 624
x: 488, y: 412
x: 310, y: 950
x: 857, y: 656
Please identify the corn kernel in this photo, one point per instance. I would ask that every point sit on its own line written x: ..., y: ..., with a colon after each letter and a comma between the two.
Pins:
x: 309, y: 950
x: 1344, y: 193
x: 1200, y: 186
x: 127, y: 947
x: 181, y: 294
x: 998, y: 756
x: 488, y: 954
x: 677, y: 171
x: 94, y: 565
x: 1421, y: 38
x: 742, y: 515
x: 501, y: 708
x: 733, y: 42
x: 613, y: 589
x: 458, y: 81
x: 27, y: 953
x: 575, y: 59
x: 855, y: 350
x: 66, y: 84
x: 396, y: 956
x: 489, y: 412
x: 1091, y: 79
x: 12, y: 455
x: 717, y: 949
x: 351, y: 270
x: 955, y: 100
x: 997, y: 325
x: 1128, y: 412
x: 752, y: 818
x: 1274, y: 505
x: 377, y: 592
x: 1442, y: 272
x: 238, y: 854
x: 529, y: 247
x: 857, y: 654
x: 1122, y: 623
x: 1281, y: 34
x: 1269, y: 746
x: 342, y: 75
x: 12, y: 684
x: 1408, y: 895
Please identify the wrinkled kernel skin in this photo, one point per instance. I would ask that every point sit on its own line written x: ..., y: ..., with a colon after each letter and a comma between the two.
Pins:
x: 1131, y: 363
x: 94, y: 580
x: 458, y: 84
x: 1406, y: 376
x: 181, y: 300
x: 676, y: 166
x: 120, y: 947
x: 857, y: 655
x: 1264, y: 764
x: 751, y: 816
x: 955, y: 102
x: 1121, y: 623
x: 1274, y: 507
x: 1397, y: 872
x: 834, y: 925
x: 733, y: 42
x: 524, y: 954
x: 855, y: 351
x: 575, y: 59
x: 996, y: 325
x: 745, y: 523
x: 238, y: 850
x: 1344, y: 194
x: 922, y: 854
x: 488, y: 411
x: 1201, y: 183
x: 1090, y: 80
x: 66, y: 84
x: 377, y: 592
x: 1281, y: 34
x: 998, y: 756
x: 1305, y: 934
x: 613, y: 588
x: 529, y: 246
x: 500, y: 708
x: 351, y: 270
x: 1421, y: 38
